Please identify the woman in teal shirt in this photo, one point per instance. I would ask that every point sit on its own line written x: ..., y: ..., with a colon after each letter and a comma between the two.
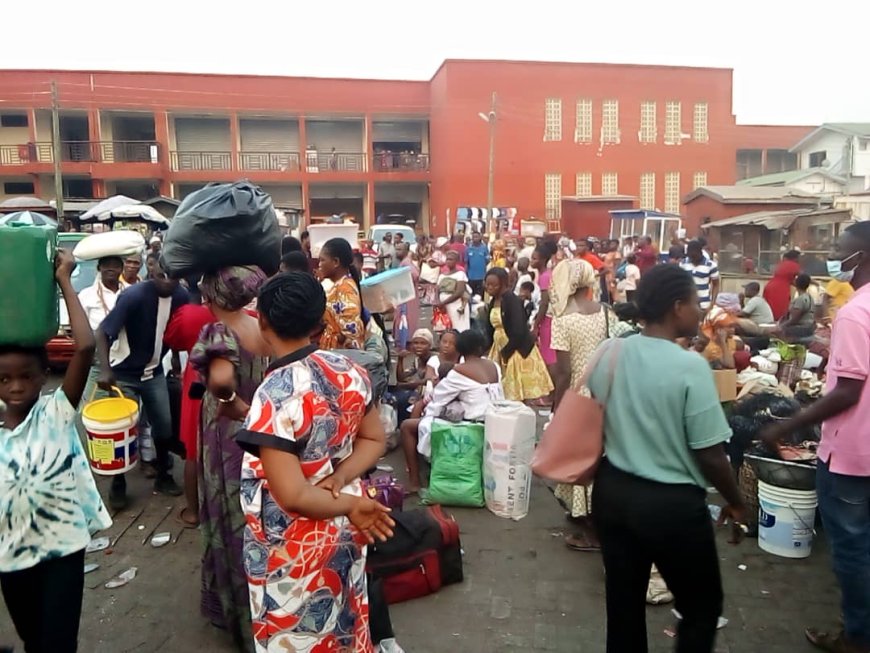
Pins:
x: 663, y: 446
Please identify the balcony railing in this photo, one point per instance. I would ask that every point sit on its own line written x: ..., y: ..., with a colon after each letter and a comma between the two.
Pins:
x: 84, y: 151
x: 335, y: 162
x: 201, y: 160
x: 279, y: 161
x: 400, y: 162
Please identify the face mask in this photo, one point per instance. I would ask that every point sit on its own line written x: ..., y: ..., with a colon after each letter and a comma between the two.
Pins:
x: 836, y: 271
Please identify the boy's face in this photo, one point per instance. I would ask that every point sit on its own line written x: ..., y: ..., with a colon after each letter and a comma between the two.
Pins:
x: 525, y: 295
x: 21, y: 380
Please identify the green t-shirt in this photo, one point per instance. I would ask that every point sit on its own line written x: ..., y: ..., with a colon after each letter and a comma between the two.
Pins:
x: 662, y: 405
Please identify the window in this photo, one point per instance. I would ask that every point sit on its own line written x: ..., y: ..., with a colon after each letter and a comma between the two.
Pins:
x: 553, y: 120
x: 609, y: 184
x: 647, y: 122
x: 699, y: 123
x: 817, y: 159
x: 699, y: 179
x: 673, y: 129
x: 610, y: 121
x: 583, y: 124
x: 553, y: 195
x: 13, y: 120
x: 18, y: 188
x: 672, y: 192
x: 648, y: 191
x: 584, y: 184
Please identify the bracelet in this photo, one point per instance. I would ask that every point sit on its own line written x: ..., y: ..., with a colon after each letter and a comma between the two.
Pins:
x: 231, y: 399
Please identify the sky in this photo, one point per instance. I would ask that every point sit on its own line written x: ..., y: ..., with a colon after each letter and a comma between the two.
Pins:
x: 796, y: 62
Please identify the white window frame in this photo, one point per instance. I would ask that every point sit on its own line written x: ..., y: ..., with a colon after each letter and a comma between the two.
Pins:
x: 673, y: 123
x: 610, y: 122
x: 648, y: 191
x: 672, y: 192
x: 552, y: 119
x: 699, y: 179
x: 700, y: 118
x: 553, y: 195
x: 648, y: 132
x: 583, y: 184
x: 583, y: 121
x: 609, y: 184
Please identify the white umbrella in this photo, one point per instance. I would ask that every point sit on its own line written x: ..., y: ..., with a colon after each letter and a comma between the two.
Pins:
x: 25, y: 203
x: 28, y: 217
x: 106, y: 205
x: 133, y: 212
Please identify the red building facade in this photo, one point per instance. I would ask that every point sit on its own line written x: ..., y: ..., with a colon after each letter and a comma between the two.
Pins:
x: 372, y: 147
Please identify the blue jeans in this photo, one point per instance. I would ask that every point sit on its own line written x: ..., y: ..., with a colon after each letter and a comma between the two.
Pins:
x: 844, y: 502
x: 153, y: 396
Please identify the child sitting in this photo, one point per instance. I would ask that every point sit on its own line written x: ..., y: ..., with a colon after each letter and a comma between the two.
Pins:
x: 50, y: 503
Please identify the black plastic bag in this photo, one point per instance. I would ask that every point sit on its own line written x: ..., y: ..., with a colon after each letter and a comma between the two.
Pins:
x: 222, y: 225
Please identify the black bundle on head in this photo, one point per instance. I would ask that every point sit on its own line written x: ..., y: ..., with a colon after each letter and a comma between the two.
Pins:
x: 292, y: 303
x: 661, y: 288
x: 471, y: 343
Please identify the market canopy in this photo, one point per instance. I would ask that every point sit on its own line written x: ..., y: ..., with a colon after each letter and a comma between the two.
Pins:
x: 131, y: 212
x: 106, y: 205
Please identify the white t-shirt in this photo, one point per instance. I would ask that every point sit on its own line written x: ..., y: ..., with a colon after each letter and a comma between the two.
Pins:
x: 98, y: 301
x: 632, y: 276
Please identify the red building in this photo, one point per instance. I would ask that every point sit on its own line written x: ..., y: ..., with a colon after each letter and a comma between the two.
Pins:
x: 371, y: 148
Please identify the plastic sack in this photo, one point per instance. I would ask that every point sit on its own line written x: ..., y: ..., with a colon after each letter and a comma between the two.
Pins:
x: 510, y: 429
x: 221, y: 225
x: 373, y: 365
x: 457, y: 464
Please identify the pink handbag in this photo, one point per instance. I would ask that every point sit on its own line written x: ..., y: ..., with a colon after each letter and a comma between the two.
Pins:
x: 573, y: 442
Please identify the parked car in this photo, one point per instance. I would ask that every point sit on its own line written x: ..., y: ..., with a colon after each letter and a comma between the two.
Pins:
x: 61, y: 347
x: 377, y: 233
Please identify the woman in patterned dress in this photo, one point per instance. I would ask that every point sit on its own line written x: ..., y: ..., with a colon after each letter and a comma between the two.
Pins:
x: 343, y: 325
x: 231, y: 358
x: 311, y: 432
x: 524, y: 374
x: 580, y: 324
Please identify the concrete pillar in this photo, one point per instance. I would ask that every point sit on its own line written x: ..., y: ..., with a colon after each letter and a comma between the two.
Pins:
x: 164, y: 145
x: 234, y: 141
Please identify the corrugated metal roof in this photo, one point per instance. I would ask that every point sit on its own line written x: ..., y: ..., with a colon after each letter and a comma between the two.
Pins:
x: 790, y: 177
x: 779, y: 219
x: 752, y: 195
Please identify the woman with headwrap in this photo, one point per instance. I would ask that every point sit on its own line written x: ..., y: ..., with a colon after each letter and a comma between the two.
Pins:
x: 231, y: 356
x: 524, y: 374
x: 716, y: 341
x: 579, y: 325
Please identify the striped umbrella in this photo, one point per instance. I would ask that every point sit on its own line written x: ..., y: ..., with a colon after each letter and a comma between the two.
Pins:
x: 28, y: 217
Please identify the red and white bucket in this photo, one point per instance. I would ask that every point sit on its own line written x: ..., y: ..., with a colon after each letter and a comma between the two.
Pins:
x: 112, y: 429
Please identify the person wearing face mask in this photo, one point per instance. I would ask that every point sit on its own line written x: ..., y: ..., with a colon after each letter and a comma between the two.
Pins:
x: 843, y: 469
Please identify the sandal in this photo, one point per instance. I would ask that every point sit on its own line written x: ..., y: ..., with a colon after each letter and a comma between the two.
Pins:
x: 186, y: 522
x: 832, y: 643
x: 582, y: 542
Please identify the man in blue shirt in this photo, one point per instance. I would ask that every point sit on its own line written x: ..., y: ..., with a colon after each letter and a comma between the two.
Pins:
x: 477, y: 255
x: 137, y: 323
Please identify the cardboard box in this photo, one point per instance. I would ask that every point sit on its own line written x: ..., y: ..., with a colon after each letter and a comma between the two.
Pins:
x: 726, y: 384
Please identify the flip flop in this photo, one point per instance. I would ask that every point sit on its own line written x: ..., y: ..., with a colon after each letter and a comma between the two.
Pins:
x: 581, y: 542
x: 832, y: 643
x: 179, y: 517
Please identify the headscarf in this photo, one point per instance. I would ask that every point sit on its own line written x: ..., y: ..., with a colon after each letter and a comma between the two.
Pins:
x: 569, y: 277
x: 232, y: 288
x: 717, y: 318
x: 424, y: 334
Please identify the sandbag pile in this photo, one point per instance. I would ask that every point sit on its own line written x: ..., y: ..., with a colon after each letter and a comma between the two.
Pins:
x: 222, y: 225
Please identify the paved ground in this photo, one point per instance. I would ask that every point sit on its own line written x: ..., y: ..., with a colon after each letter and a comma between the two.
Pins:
x: 524, y: 591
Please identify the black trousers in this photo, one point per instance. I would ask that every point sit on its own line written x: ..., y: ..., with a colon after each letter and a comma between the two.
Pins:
x: 641, y: 523
x: 45, y: 603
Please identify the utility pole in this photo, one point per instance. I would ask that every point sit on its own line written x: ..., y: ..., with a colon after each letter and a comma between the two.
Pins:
x: 56, y: 154
x: 490, y: 201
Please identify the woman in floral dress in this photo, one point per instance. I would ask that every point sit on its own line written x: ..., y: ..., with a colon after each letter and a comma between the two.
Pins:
x: 311, y: 432
x: 343, y: 325
x: 231, y: 357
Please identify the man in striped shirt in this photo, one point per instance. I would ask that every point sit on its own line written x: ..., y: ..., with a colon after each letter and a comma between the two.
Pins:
x: 705, y: 272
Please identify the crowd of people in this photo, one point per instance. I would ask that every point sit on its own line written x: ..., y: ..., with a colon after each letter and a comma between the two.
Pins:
x: 279, y: 426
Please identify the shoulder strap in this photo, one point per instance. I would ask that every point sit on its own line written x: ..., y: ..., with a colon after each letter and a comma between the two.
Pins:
x: 612, y: 348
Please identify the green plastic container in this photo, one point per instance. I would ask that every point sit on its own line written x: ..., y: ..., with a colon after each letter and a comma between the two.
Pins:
x: 28, y: 299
